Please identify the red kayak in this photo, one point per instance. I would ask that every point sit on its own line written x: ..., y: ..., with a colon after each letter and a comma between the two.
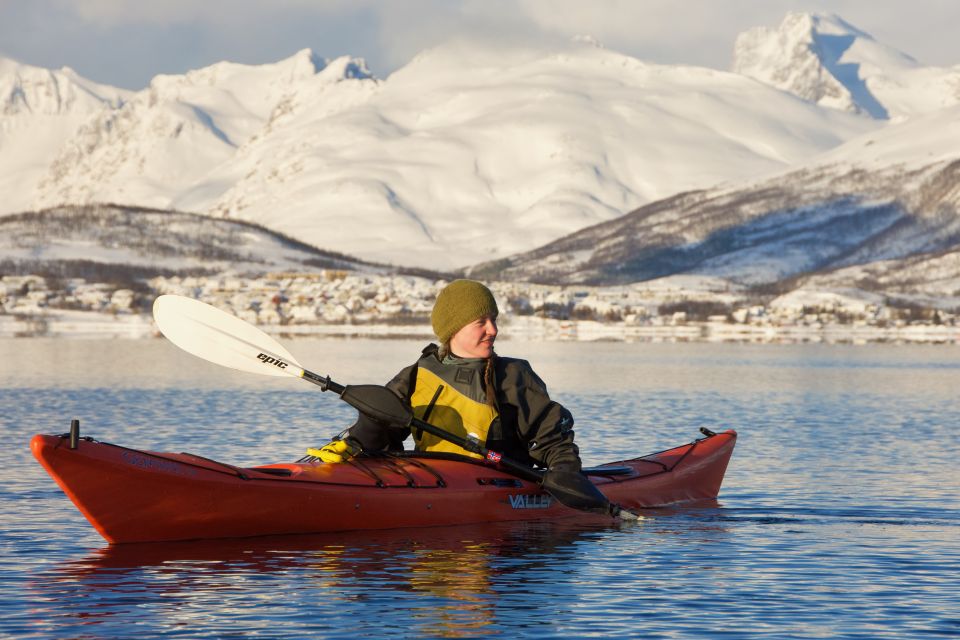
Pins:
x: 143, y: 496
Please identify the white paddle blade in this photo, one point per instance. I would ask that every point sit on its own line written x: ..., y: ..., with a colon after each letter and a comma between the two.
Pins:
x: 217, y: 336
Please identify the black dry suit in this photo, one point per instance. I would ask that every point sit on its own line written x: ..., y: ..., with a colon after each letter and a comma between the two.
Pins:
x: 525, y: 424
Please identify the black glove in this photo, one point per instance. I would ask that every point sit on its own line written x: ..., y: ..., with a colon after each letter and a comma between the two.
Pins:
x: 574, y: 490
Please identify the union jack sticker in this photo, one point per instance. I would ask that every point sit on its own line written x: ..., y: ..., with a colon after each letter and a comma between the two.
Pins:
x: 493, y: 456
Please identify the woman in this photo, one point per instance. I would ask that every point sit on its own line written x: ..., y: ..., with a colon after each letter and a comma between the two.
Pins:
x: 463, y: 387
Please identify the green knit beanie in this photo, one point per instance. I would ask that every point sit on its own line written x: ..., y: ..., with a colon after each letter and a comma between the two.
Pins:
x: 458, y: 304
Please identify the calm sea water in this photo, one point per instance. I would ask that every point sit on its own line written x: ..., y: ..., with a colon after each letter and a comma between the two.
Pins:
x: 839, y: 517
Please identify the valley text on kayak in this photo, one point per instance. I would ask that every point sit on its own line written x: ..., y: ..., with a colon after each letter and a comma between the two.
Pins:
x: 527, y: 501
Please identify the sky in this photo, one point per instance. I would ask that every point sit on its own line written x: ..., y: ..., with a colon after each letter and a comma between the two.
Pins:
x: 126, y: 42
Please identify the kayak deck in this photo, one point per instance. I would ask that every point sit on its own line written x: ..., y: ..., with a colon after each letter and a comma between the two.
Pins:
x: 130, y: 495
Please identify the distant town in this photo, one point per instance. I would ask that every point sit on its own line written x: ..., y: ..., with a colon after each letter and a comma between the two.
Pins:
x: 345, y: 303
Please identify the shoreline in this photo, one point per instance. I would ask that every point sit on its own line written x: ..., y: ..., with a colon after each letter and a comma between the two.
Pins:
x: 69, y: 325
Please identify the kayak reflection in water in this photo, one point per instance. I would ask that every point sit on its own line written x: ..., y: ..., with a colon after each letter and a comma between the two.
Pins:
x: 462, y: 574
x: 465, y: 388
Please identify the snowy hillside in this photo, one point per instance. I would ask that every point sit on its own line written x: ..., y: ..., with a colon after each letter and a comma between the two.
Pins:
x: 871, y: 214
x: 114, y: 243
x: 465, y: 154
x: 827, y: 61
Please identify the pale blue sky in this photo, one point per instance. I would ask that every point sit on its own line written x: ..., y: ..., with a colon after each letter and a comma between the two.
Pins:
x: 127, y: 42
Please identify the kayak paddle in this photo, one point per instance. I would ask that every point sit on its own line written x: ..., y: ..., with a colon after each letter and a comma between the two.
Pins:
x: 224, y: 339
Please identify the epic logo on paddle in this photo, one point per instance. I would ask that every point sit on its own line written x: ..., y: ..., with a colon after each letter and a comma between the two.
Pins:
x: 271, y: 360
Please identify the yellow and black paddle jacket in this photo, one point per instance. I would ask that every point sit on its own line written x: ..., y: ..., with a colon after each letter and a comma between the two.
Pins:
x: 525, y: 424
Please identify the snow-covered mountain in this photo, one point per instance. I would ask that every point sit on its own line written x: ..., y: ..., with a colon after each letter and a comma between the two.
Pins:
x: 470, y: 152
x: 879, y: 214
x: 39, y: 110
x: 465, y: 154
x: 823, y: 59
x: 25, y: 89
x: 160, y: 145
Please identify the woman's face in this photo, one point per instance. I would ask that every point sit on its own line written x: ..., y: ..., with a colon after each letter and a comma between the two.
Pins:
x: 475, y: 340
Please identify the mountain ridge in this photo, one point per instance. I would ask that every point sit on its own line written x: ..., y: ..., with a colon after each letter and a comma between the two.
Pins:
x: 836, y: 225
x: 522, y: 145
x: 821, y: 58
x: 63, y: 239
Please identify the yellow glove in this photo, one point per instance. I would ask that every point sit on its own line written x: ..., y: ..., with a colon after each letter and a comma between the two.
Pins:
x: 334, y: 451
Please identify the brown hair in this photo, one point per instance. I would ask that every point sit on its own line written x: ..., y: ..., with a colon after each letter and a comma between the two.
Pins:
x: 489, y: 381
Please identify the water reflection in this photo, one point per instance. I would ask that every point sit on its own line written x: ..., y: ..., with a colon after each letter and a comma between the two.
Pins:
x: 449, y: 582
x: 449, y: 573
